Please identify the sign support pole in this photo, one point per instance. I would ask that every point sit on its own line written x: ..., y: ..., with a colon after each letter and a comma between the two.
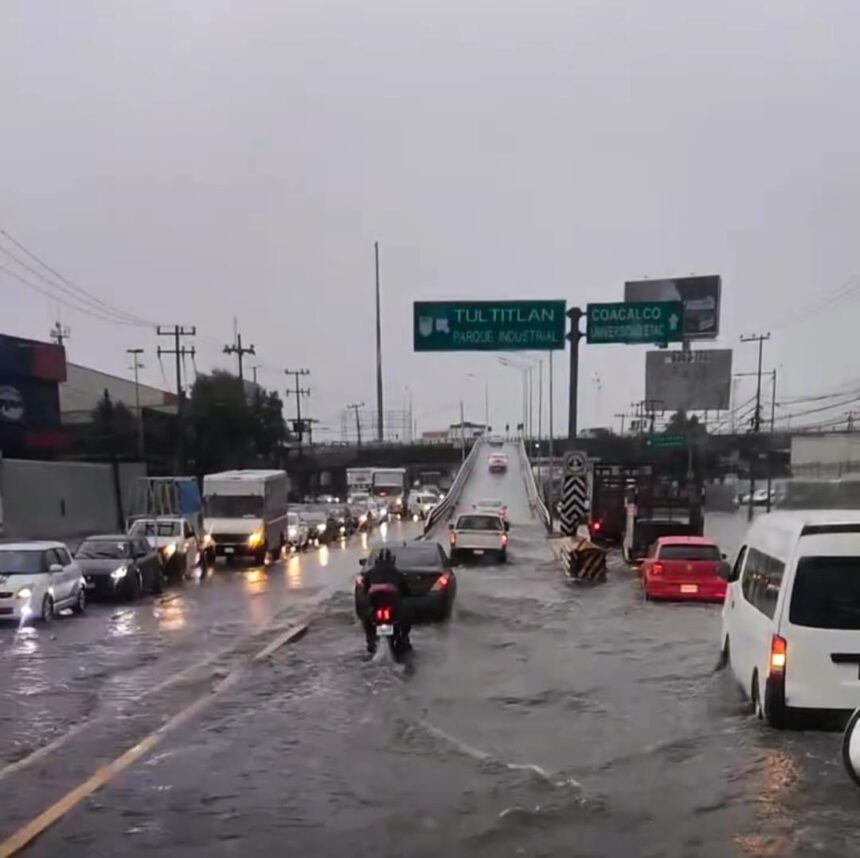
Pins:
x: 574, y: 314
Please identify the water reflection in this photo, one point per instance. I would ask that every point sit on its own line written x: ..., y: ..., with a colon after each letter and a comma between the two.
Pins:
x: 124, y: 624
x: 170, y: 615
x: 295, y: 578
x: 255, y: 581
x: 770, y: 791
x: 383, y: 531
x: 323, y: 555
x: 364, y: 541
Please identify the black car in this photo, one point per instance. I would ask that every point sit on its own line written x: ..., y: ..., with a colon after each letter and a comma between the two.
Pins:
x: 347, y: 523
x: 120, y: 566
x: 322, y: 526
x: 431, y: 580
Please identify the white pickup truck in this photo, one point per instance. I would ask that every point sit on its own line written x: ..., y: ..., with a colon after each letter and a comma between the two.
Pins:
x: 478, y: 534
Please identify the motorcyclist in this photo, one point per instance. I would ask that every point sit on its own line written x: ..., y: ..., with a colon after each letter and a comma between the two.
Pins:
x: 385, y: 571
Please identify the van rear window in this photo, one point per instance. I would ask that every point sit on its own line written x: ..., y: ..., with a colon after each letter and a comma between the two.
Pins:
x: 826, y: 593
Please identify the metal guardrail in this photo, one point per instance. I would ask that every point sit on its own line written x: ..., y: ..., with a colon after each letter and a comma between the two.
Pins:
x: 535, y: 500
x: 444, y: 509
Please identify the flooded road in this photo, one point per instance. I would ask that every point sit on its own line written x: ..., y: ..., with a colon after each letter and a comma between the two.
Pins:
x: 542, y: 720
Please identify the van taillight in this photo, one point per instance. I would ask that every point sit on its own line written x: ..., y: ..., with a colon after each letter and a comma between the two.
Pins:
x: 504, y: 540
x: 778, y: 648
x: 453, y: 538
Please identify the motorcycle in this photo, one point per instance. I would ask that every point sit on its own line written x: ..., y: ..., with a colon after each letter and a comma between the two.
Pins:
x: 385, y: 618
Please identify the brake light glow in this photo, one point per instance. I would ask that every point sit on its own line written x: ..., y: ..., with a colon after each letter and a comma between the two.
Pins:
x: 657, y: 569
x: 359, y: 582
x: 441, y: 582
x: 453, y: 538
x: 504, y: 539
x: 778, y: 653
x: 383, y: 615
x: 596, y: 525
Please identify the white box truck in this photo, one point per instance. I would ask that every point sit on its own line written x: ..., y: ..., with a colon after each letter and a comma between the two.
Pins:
x: 246, y: 513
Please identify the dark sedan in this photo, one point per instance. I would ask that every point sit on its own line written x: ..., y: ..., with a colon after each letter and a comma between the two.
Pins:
x: 322, y: 526
x: 431, y: 580
x: 119, y: 566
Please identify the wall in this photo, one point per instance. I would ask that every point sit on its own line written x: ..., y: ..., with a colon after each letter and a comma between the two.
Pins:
x: 60, y: 500
x: 823, y: 455
x: 84, y: 387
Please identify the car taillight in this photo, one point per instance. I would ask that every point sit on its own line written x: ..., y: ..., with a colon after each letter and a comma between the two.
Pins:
x: 383, y: 615
x: 504, y: 539
x: 657, y: 569
x: 453, y: 539
x: 778, y: 653
x: 596, y: 525
x: 359, y: 582
x: 441, y: 582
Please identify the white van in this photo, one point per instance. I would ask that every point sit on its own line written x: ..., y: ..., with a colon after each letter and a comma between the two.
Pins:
x: 245, y: 513
x: 791, y: 618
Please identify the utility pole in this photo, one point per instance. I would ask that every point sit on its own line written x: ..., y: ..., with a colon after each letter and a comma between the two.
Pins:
x: 540, y: 403
x: 623, y: 417
x: 60, y: 333
x: 136, y: 366
x: 551, y: 493
x: 356, y: 407
x: 574, y: 336
x: 240, y: 351
x: 254, y: 369
x: 379, y: 415
x: 770, y: 446
x: 299, y: 391
x: 760, y: 339
x: 649, y: 407
x: 179, y: 352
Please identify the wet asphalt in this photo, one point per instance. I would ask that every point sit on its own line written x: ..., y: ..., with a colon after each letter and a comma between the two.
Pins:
x: 543, y: 720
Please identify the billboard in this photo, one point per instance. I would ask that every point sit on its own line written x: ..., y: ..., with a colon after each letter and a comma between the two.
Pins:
x: 701, y: 297
x: 689, y: 381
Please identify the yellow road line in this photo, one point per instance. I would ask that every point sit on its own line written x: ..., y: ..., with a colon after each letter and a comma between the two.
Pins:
x: 103, y: 774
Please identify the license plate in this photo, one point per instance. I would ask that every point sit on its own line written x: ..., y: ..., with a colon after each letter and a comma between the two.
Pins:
x: 479, y: 551
x: 228, y: 549
x: 689, y: 588
x: 385, y: 631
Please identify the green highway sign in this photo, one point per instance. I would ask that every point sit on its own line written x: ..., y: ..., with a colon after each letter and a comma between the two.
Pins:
x: 467, y: 326
x: 635, y: 322
x: 667, y: 441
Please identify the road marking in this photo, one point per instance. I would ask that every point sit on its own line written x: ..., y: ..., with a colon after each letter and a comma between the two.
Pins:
x: 168, y: 682
x: 25, y: 835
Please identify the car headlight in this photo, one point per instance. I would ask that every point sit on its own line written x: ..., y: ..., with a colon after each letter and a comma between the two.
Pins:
x: 119, y: 574
x: 207, y: 540
x: 255, y: 538
x: 24, y: 593
x: 169, y: 550
x: 362, y: 519
x: 321, y: 528
x: 398, y: 502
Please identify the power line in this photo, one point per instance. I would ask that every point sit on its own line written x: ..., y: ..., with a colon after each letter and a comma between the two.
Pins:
x: 69, y: 286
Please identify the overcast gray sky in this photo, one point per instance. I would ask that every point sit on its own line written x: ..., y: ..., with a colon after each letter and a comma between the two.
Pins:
x: 195, y: 161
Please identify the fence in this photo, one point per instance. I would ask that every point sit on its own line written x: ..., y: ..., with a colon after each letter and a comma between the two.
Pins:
x: 444, y: 509
x: 536, y: 503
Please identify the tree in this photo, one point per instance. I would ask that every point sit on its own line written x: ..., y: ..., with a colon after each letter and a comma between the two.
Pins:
x: 226, y: 431
x: 114, y: 427
x: 680, y: 423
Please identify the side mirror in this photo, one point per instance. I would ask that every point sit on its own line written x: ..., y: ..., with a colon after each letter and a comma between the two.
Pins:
x: 362, y: 561
x: 851, y: 747
x: 724, y: 570
x: 55, y: 568
x: 451, y: 526
x: 724, y: 557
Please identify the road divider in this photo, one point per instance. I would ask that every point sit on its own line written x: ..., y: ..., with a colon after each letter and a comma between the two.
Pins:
x: 443, y: 511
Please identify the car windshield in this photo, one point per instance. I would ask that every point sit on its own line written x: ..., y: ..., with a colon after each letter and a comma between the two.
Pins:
x: 98, y: 549
x: 22, y: 562
x: 490, y: 502
x: 683, y: 551
x: 479, y: 522
x: 156, y: 528
x: 234, y: 506
x: 413, y: 558
x: 826, y: 593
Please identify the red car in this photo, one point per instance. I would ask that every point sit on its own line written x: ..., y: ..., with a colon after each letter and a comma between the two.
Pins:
x: 683, y: 568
